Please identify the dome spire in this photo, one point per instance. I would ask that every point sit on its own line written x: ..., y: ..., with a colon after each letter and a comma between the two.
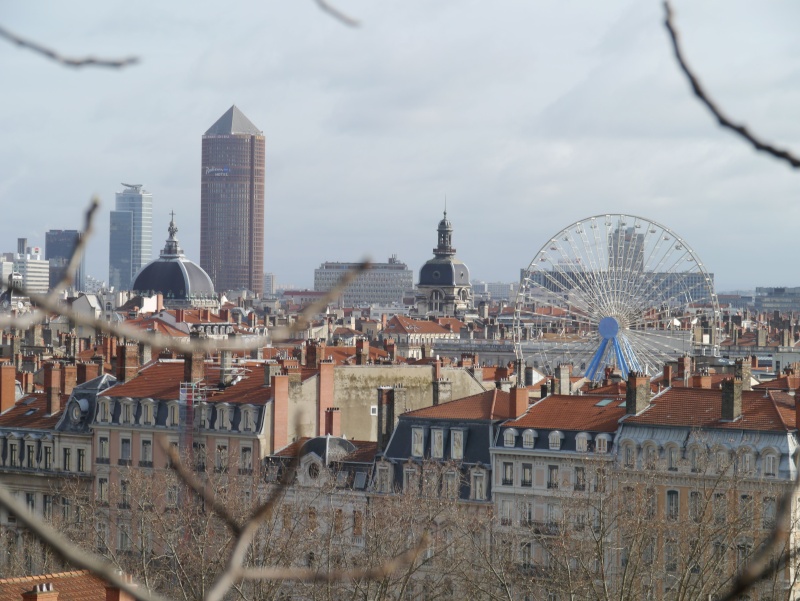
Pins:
x: 445, y: 229
x: 171, y: 248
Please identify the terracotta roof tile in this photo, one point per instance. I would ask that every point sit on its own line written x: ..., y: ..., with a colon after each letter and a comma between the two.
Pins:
x: 400, y: 324
x: 364, y: 453
x: 492, y: 404
x: 71, y: 586
x: 573, y: 412
x: 702, y: 408
x: 31, y: 412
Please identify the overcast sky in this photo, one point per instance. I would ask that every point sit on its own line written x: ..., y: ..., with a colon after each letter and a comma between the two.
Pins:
x: 526, y: 115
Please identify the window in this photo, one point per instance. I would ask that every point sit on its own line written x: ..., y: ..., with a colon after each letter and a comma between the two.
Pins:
x: 172, y: 495
x: 147, y: 413
x: 505, y: 512
x: 246, y: 460
x: 383, y: 482
x: 30, y: 459
x: 103, y: 411
x: 13, y: 455
x: 509, y: 437
x: 582, y: 443
x: 721, y: 458
x: 746, y: 463
x: 221, y: 458
x: 48, y: 458
x: 629, y: 456
x: 770, y: 466
x: 200, y: 456
x: 102, y: 450
x: 66, y: 512
x: 600, y: 480
x: 478, y: 486
x: 508, y: 473
x: 672, y: 505
x: 651, y: 502
x: 457, y: 444
x: 312, y: 519
x: 124, y: 494
x: 125, y: 451
x: 123, y: 537
x: 247, y: 421
x: 146, y: 458
x: 417, y: 442
x: 174, y: 418
x: 671, y: 556
x: 650, y: 456
x: 81, y: 460
x: 410, y: 482
x: 672, y: 459
x: 437, y: 444
x: 552, y: 476
x: 554, y: 440
x: 66, y: 464
x: 338, y: 521
x: 449, y: 489
x: 769, y: 513
x: 47, y: 506
x: 528, y: 439
x: 358, y: 523
x: 720, y: 507
x: 102, y: 490
x: 222, y: 419
x: 601, y: 444
x: 30, y: 501
x: 527, y: 475
x: 527, y: 514
x: 127, y: 413
x: 695, y: 506
x: 746, y: 508
x: 580, y: 478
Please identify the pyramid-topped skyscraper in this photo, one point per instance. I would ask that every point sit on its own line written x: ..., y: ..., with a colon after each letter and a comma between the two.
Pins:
x: 232, y: 203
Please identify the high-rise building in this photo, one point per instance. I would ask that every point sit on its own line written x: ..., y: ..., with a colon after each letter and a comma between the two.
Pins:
x: 381, y: 284
x: 131, y: 235
x: 269, y: 284
x: 35, y: 271
x: 232, y: 204
x: 58, y: 248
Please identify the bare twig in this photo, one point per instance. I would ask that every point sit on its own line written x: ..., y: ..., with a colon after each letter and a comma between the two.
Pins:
x: 199, y: 488
x: 337, y: 14
x: 67, y: 61
x: 722, y: 119
x: 80, y: 247
x: 72, y: 553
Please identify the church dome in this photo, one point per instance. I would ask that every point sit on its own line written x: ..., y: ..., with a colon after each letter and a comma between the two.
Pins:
x: 172, y: 274
x: 444, y: 269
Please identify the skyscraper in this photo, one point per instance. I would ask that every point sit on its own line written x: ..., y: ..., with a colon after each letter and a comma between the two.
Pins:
x: 58, y: 248
x: 232, y: 204
x: 131, y: 231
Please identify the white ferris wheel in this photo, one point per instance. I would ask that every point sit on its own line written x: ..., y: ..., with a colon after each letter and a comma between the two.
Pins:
x: 614, y: 291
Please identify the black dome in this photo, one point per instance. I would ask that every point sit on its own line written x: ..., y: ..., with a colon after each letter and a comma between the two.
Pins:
x: 172, y: 274
x: 444, y: 272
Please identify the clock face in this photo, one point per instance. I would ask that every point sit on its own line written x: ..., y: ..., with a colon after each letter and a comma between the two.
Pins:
x: 75, y: 413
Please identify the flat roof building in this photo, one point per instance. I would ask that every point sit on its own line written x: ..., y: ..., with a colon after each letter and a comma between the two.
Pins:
x: 381, y: 284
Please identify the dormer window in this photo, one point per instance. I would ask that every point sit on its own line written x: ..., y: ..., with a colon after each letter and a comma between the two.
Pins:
x: 148, y: 414
x: 437, y: 443
x: 601, y: 444
x: 554, y: 440
x: 770, y: 466
x: 223, y: 415
x: 102, y: 411
x: 417, y: 442
x: 457, y: 444
x: 582, y: 442
x: 509, y: 437
x: 174, y: 414
x: 127, y: 413
x: 528, y: 439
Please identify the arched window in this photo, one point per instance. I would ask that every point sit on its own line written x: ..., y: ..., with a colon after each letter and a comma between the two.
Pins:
x: 437, y: 296
x: 528, y: 439
x: 509, y: 437
x: 554, y: 440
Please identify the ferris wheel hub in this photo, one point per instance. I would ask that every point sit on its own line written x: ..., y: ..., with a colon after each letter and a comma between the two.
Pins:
x: 608, y: 327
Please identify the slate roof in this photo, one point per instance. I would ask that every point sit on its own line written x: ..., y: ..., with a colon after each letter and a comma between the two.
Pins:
x: 490, y: 405
x: 573, y: 412
x: 702, y: 408
x: 71, y: 586
x: 233, y: 122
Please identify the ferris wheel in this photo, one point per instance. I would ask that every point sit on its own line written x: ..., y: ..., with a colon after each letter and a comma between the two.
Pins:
x: 614, y: 291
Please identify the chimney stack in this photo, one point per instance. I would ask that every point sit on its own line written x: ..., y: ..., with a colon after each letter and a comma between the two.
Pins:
x: 52, y: 387
x: 333, y: 421
x: 41, y: 592
x: 637, y: 393
x: 731, y: 399
x: 225, y: 368
x: 127, y: 361
x: 69, y: 377
x: 385, y: 416
x: 362, y: 351
x: 280, y: 412
x: 744, y: 372
x: 8, y: 386
x: 563, y: 373
x: 519, y: 401
x: 87, y: 371
x: 194, y: 362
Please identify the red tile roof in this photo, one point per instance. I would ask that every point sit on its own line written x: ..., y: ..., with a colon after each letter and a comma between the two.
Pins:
x: 573, y: 412
x: 400, y: 324
x: 162, y: 380
x: 785, y: 382
x: 364, y: 453
x: 71, y: 586
x: 492, y: 404
x: 702, y: 408
x: 20, y: 416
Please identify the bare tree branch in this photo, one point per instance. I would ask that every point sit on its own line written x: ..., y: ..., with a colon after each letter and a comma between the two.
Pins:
x: 722, y: 119
x: 337, y: 14
x: 72, y: 553
x: 67, y: 61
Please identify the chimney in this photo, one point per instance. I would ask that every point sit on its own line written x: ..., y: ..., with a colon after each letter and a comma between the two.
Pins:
x: 87, y: 371
x: 731, y: 399
x: 563, y: 373
x: 333, y: 421
x: 8, y: 386
x: 542, y: 390
x: 69, y: 378
x: 127, y: 361
x: 52, y: 387
x: 271, y: 368
x: 41, y: 592
x: 115, y: 594
x: 385, y: 416
x: 225, y: 315
x: 437, y: 369
x: 194, y: 362
x: 684, y: 367
x: 637, y: 393
x: 280, y: 412
x: 324, y: 393
x: 519, y: 401
x: 761, y: 338
x: 744, y: 372
x: 389, y: 347
x: 362, y: 351
x: 315, y: 353
x: 701, y: 381
x: 669, y: 374
x: 225, y: 368
x: 179, y: 315
x: 159, y: 302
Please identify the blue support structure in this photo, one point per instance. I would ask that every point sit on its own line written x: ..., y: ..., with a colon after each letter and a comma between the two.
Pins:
x: 595, y: 363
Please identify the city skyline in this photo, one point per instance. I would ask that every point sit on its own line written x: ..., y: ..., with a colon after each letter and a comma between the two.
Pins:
x: 573, y: 111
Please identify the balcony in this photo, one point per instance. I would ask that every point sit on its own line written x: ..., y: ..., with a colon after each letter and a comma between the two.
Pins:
x: 245, y: 471
x: 526, y: 483
x: 546, y: 528
x: 508, y: 482
x: 102, y: 461
x: 145, y: 464
x: 126, y: 462
x: 552, y: 484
